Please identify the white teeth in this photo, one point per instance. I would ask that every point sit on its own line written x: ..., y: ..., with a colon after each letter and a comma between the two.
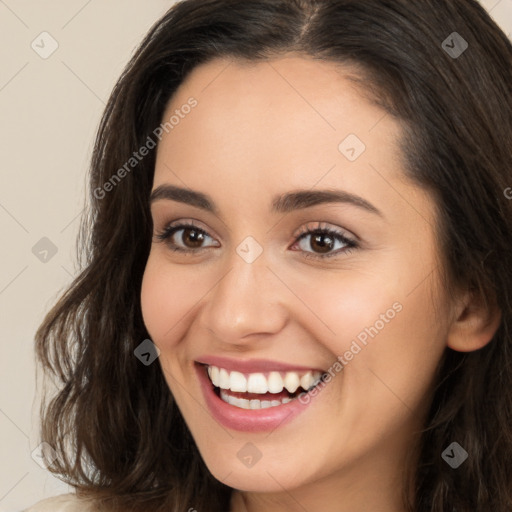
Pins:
x: 239, y: 402
x: 317, y: 377
x: 275, y: 382
x: 213, y: 372
x: 223, y: 379
x: 255, y: 404
x: 306, y: 380
x: 291, y: 382
x: 237, y: 382
x: 257, y: 383
x: 243, y: 403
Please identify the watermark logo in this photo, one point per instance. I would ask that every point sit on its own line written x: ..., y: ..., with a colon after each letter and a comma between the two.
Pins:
x: 455, y: 45
x: 249, y: 250
x: 147, y: 352
x: 352, y: 147
x: 44, y: 250
x: 454, y: 455
x: 45, y: 45
x: 249, y: 455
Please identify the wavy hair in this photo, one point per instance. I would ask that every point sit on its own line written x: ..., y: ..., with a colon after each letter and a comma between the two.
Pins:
x: 118, y: 433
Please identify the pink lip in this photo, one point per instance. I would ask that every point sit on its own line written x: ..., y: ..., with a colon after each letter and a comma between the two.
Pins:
x: 248, y: 420
x: 252, y: 365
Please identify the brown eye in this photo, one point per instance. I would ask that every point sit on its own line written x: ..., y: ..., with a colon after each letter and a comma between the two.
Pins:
x: 322, y: 243
x: 183, y: 237
x: 192, y: 238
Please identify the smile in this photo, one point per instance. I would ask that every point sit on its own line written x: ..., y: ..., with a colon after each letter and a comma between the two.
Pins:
x: 255, y: 395
x: 261, y: 390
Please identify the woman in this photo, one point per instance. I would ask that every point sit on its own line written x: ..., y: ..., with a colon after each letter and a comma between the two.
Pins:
x: 297, y: 287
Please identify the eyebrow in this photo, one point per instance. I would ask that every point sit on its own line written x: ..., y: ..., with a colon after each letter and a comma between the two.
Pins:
x: 284, y: 203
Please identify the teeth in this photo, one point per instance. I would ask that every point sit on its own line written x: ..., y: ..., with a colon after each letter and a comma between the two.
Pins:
x: 257, y: 383
x: 291, y: 381
x: 307, y: 380
x: 317, y: 377
x: 251, y: 404
x: 275, y: 382
x: 224, y: 379
x: 213, y: 372
x: 237, y: 382
x: 255, y: 404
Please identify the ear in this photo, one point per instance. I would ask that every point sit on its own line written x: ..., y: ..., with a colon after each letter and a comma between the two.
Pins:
x: 475, y: 323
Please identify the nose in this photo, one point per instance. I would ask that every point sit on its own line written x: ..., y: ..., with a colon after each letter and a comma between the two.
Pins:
x: 248, y: 300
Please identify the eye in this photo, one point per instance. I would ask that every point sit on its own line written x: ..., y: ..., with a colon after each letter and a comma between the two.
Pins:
x: 323, y: 240
x: 191, y: 235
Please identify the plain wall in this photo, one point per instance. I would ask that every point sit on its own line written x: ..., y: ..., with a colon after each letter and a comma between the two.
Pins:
x: 50, y: 109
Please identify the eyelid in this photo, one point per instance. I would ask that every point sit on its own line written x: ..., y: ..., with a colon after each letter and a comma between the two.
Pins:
x: 324, y: 226
x: 187, y: 222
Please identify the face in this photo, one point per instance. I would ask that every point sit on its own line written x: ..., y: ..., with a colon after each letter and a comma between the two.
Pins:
x: 310, y: 253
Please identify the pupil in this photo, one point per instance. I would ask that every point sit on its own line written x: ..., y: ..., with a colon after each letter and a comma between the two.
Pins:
x: 195, y: 237
x: 323, y: 246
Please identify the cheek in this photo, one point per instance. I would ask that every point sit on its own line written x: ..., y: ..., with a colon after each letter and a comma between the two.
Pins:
x: 166, y: 297
x: 388, y: 337
x: 343, y: 309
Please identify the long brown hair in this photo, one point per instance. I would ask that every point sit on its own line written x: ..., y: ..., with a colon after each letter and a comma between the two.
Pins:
x: 114, y: 424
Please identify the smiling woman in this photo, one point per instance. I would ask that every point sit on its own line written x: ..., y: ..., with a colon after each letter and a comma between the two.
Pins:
x: 300, y: 299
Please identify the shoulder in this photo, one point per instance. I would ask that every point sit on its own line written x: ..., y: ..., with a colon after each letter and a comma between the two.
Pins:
x: 62, y: 503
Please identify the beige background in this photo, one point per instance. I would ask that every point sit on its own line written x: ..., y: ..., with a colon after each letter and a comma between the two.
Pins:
x: 50, y: 108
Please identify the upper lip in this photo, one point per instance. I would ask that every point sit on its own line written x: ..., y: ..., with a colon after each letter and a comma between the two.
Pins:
x: 253, y: 365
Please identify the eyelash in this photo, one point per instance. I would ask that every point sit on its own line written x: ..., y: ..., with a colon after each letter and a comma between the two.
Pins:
x: 350, y: 245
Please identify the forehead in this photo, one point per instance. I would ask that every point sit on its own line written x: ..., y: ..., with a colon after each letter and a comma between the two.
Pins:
x: 283, y: 112
x: 304, y: 94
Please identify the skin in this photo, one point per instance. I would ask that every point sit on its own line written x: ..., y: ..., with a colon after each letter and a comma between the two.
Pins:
x: 346, y: 452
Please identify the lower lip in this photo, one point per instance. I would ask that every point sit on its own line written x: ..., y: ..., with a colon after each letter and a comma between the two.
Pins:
x: 248, y: 420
